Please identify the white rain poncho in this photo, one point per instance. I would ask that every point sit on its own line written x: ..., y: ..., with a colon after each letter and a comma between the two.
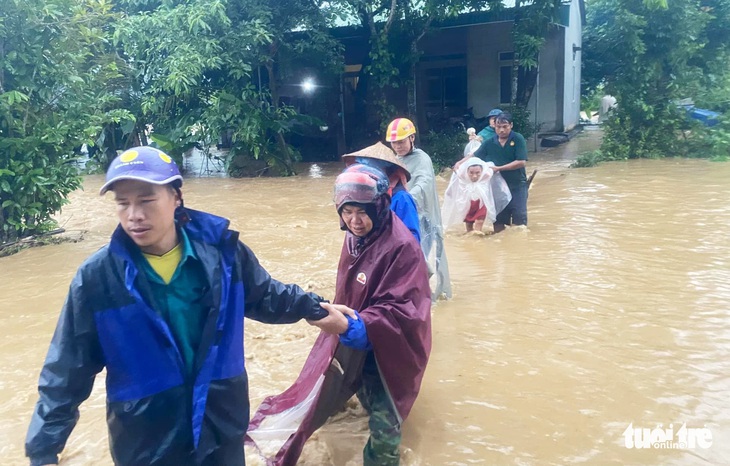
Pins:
x: 471, y: 147
x: 491, y: 190
x: 422, y: 186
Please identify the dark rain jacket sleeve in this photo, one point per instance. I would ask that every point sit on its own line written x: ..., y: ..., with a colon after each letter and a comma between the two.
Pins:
x: 74, y: 358
x: 269, y: 300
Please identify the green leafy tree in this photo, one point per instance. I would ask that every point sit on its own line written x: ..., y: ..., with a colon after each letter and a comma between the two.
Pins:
x: 171, y: 49
x: 295, y: 38
x: 713, y: 86
x: 394, y: 29
x: 533, y: 22
x: 650, y: 55
x: 51, y: 99
x: 197, y: 67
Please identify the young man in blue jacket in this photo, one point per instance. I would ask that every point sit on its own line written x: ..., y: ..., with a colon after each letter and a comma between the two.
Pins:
x: 161, y: 307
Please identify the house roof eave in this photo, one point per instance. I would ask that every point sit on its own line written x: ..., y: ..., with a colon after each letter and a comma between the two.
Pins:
x: 465, y: 20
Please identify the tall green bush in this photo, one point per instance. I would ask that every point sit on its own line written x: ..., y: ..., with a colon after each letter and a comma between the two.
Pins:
x: 714, y: 142
x: 51, y: 84
x: 650, y: 55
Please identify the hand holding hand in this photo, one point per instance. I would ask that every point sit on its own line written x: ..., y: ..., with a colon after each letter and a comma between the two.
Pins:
x: 336, y: 322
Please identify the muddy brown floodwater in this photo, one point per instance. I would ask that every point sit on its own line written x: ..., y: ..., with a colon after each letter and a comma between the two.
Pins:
x: 611, y: 310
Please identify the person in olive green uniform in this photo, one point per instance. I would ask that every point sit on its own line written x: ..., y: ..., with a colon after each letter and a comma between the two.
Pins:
x: 508, y: 151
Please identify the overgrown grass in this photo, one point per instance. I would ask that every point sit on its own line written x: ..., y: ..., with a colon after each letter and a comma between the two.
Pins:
x: 589, y: 159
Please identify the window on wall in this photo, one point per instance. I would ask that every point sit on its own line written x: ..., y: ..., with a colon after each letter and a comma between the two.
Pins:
x: 446, y: 89
x: 506, y: 60
x: 506, y: 56
x: 505, y: 84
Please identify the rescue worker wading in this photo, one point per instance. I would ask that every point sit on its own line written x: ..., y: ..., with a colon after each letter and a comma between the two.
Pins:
x: 161, y: 307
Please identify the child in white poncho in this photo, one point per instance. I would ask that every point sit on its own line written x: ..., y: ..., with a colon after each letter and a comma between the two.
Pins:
x: 475, y: 193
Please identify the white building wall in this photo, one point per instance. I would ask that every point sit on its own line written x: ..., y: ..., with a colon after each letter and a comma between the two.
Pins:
x: 555, y: 103
x: 484, y: 43
x: 546, y: 103
x: 573, y: 37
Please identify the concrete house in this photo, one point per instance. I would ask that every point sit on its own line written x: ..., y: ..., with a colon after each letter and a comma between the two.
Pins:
x: 467, y: 63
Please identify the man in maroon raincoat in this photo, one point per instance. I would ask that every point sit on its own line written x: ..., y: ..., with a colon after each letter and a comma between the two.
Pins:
x: 376, y: 346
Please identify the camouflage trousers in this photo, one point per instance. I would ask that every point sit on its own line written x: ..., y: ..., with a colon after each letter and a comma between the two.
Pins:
x: 383, y: 445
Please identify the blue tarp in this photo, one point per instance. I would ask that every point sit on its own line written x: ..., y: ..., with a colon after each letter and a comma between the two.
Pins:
x: 707, y: 117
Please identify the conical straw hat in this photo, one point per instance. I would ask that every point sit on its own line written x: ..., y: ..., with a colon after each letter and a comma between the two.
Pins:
x: 377, y: 151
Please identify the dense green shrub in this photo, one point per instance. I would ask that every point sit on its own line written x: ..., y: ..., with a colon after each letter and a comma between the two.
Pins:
x: 445, y: 147
x: 589, y: 159
x: 714, y: 142
x: 52, y: 74
x: 625, y: 42
x: 521, y: 121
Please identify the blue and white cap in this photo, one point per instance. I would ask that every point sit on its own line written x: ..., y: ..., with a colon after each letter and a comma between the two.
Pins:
x: 143, y: 164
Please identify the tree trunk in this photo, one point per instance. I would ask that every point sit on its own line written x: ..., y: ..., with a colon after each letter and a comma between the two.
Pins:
x: 526, y: 81
x: 142, y: 132
x: 412, y: 86
x: 273, y: 83
x: 363, y: 82
x: 413, y: 81
x: 515, y: 81
x: 3, y: 236
x: 286, y: 157
x: 362, y: 91
x: 2, y: 68
x: 370, y: 99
